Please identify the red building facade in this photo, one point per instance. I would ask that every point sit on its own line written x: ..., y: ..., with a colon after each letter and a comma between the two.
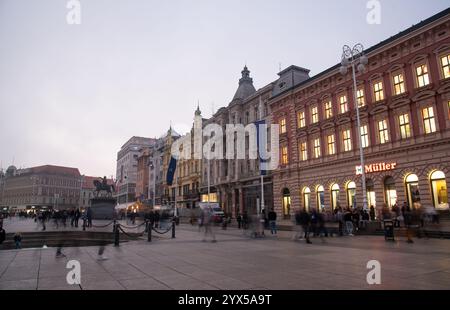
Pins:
x: 404, y: 98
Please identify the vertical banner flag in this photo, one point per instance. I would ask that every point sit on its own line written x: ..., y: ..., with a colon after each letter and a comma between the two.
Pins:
x: 171, y: 170
x: 261, y: 142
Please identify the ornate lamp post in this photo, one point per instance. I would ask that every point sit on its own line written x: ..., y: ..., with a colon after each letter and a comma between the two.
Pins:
x: 355, y: 57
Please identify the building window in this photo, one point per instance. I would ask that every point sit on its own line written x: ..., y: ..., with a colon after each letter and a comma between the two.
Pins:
x: 405, y: 129
x: 306, y: 198
x: 448, y: 108
x: 439, y: 190
x: 399, y: 84
x: 390, y: 193
x: 383, y: 131
x: 343, y: 106
x: 378, y: 91
x: 301, y: 119
x: 429, y: 124
x: 317, y: 148
x: 331, y: 145
x: 360, y: 97
x: 445, y: 63
x: 328, y: 109
x: 314, y: 114
x: 347, y: 139
x: 303, y: 151
x: 284, y: 155
x: 351, y: 194
x: 412, y: 189
x: 286, y: 202
x: 422, y: 75
x: 334, y: 196
x: 364, y: 136
x: 320, y: 198
x: 283, y: 125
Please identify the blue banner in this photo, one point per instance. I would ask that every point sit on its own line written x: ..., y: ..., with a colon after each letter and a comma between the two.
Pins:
x: 171, y: 170
x: 261, y: 142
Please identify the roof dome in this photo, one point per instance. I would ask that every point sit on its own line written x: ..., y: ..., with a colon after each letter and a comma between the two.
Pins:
x: 11, y: 170
x: 246, y: 87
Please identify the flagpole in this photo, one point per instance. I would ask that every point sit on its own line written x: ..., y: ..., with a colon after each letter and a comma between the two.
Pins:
x: 260, y: 171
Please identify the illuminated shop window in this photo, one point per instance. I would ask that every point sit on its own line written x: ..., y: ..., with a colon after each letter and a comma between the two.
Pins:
x: 439, y: 190
x: 390, y: 193
x: 335, y: 196
x: 351, y: 194
x: 412, y: 190
x: 286, y: 202
x: 306, y: 198
x: 320, y: 192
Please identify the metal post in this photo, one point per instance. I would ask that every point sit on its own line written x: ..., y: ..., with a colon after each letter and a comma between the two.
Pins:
x: 114, y: 226
x: 116, y: 235
x: 173, y: 229
x: 149, y: 235
x: 361, y: 152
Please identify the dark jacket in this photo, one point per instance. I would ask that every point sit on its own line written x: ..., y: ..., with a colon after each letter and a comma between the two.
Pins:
x: 2, y: 235
x: 305, y: 219
x: 272, y: 216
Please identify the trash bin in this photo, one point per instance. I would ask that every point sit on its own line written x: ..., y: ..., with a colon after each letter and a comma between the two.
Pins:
x: 388, y: 230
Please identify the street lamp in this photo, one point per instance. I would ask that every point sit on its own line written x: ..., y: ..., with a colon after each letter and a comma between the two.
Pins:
x: 355, y: 57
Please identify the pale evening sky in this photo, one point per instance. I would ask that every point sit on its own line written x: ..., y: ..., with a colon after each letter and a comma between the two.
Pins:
x: 71, y: 95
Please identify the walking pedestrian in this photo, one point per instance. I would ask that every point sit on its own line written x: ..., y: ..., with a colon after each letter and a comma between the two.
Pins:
x: 305, y: 222
x: 18, y: 240
x: 2, y: 236
x: 272, y: 216
x: 239, y: 220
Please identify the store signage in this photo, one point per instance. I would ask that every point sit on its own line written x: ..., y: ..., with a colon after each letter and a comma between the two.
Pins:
x: 379, y: 167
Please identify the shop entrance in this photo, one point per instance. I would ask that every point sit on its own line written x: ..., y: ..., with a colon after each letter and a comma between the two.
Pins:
x: 370, y: 188
x: 412, y: 190
x: 439, y: 190
x: 390, y: 193
x: 286, y: 203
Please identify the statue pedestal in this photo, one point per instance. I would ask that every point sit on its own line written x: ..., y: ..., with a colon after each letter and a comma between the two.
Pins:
x: 102, y: 208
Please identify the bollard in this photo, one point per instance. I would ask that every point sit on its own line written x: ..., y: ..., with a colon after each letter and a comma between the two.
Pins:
x: 146, y: 226
x: 173, y: 229
x: 114, y: 226
x: 84, y: 225
x: 116, y: 235
x: 149, y: 236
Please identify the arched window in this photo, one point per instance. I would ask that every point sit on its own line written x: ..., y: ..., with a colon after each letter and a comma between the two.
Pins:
x: 351, y: 194
x: 320, y: 192
x: 286, y: 202
x: 412, y: 189
x: 335, y: 196
x: 370, y: 188
x: 439, y: 190
x: 306, y: 198
x: 390, y: 193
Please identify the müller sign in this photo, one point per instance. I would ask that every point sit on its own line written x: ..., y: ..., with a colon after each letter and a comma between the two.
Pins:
x: 379, y: 167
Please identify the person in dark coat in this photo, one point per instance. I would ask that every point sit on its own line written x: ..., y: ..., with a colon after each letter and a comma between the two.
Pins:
x: 272, y: 217
x: 305, y: 222
x: 2, y: 235
x: 18, y: 240
x: 77, y: 215
x: 239, y: 220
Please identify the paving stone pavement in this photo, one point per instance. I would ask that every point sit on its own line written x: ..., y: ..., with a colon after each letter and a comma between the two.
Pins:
x: 234, y: 262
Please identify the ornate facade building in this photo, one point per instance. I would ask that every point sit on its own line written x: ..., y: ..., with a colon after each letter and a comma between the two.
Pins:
x: 236, y: 183
x: 404, y: 100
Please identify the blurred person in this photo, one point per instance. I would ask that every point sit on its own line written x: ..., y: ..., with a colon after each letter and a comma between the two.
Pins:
x: 372, y: 213
x: 297, y: 226
x: 207, y: 219
x: 77, y: 215
x: 89, y: 217
x: 348, y: 220
x: 272, y: 217
x: 2, y: 235
x: 239, y: 220
x: 100, y: 252
x: 408, y: 218
x: 305, y: 222
x: 314, y: 222
x: 18, y: 240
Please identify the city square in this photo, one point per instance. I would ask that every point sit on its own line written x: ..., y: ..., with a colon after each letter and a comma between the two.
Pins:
x: 245, y: 146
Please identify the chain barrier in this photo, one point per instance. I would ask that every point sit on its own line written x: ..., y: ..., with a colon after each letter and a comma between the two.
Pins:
x: 103, y: 226
x: 131, y: 236
x: 162, y: 232
x: 132, y: 227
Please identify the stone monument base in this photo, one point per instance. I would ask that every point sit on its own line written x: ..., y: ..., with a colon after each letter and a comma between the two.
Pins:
x: 102, y: 208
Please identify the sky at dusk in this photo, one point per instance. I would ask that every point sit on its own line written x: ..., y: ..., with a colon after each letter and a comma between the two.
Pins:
x: 72, y: 95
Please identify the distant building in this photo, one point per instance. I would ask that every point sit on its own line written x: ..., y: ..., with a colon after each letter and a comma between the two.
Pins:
x: 143, y: 161
x: 127, y: 164
x: 40, y: 187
